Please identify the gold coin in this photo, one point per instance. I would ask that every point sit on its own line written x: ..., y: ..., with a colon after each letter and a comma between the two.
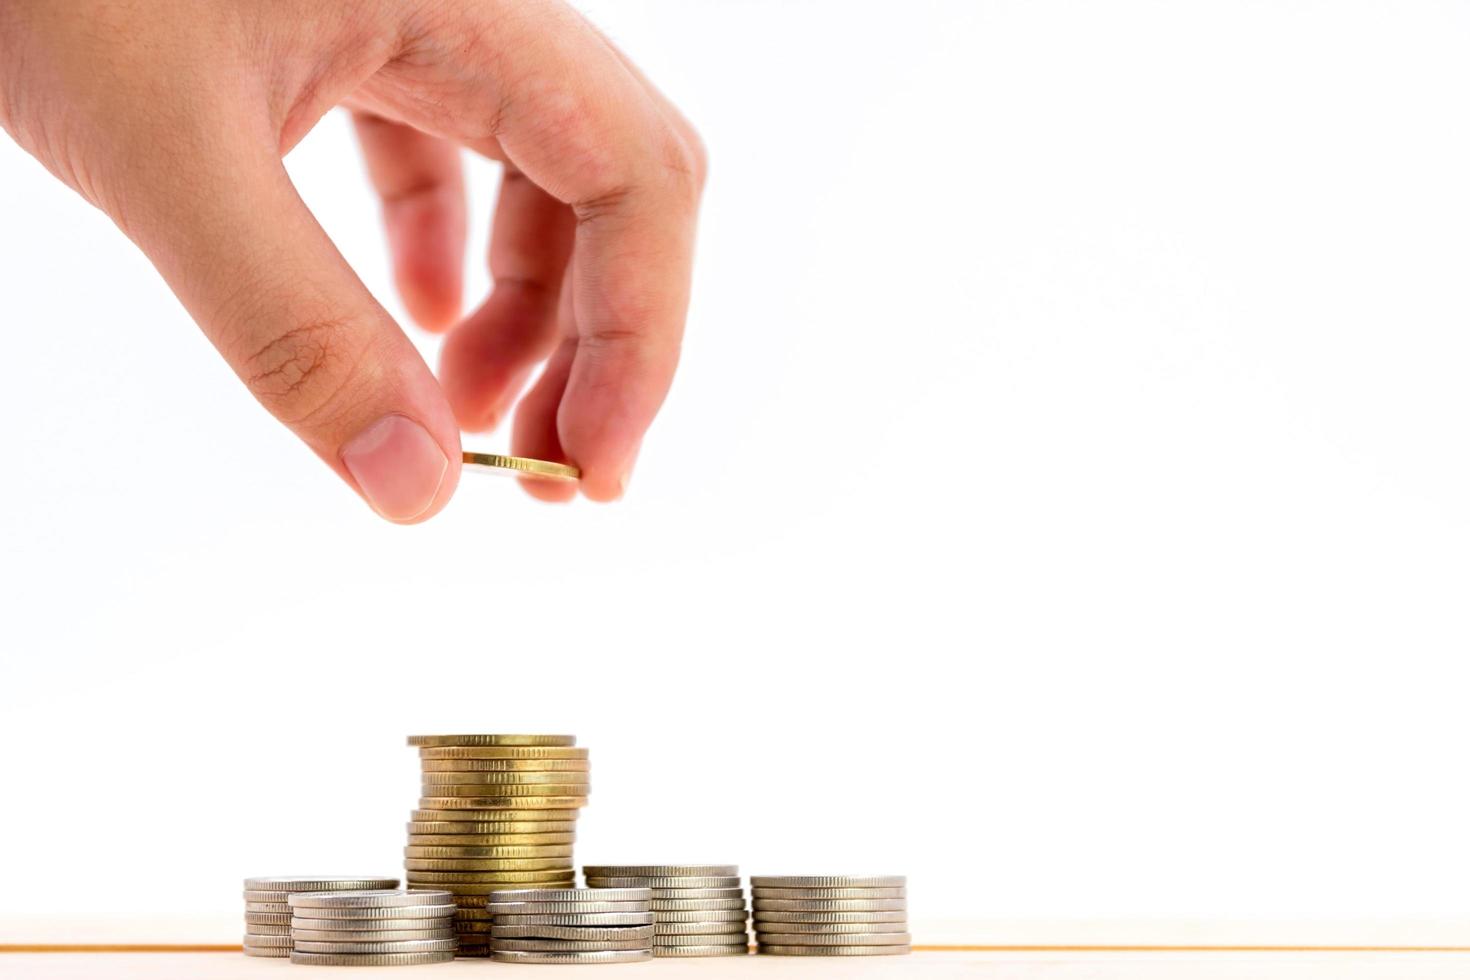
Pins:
x: 498, y: 828
x: 504, y: 765
x: 462, y: 841
x: 471, y: 895
x: 488, y: 864
x: 455, y: 852
x: 464, y: 880
x: 461, y: 790
x: 463, y: 816
x: 477, y: 914
x: 498, y: 778
x: 496, y: 802
x: 434, y: 741
x: 539, y: 469
x: 501, y: 752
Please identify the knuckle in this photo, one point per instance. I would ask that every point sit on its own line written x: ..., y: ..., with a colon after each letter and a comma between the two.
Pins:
x: 300, y: 374
x: 700, y: 154
x: 695, y: 151
x: 683, y: 164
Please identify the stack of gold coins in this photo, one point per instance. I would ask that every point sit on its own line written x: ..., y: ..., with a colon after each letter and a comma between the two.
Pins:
x: 268, y: 912
x: 835, y: 915
x: 572, y: 925
x: 698, y: 909
x: 372, y: 928
x: 497, y: 812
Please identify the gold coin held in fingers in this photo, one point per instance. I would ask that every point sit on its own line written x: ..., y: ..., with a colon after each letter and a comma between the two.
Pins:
x: 538, y: 469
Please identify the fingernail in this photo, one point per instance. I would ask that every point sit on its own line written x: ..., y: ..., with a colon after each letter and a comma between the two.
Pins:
x: 398, y: 467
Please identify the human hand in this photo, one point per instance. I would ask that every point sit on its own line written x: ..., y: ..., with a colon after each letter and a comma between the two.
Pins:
x: 172, y: 117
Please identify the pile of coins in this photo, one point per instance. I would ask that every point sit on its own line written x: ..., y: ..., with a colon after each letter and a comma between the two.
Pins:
x: 268, y: 912
x: 372, y: 928
x: 831, y: 916
x: 496, y: 812
x: 698, y: 909
x: 572, y: 925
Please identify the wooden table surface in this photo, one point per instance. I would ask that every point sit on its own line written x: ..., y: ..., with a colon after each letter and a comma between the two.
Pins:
x: 971, y: 965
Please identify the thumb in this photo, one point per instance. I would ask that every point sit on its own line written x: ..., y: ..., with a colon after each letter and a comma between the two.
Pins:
x: 275, y: 297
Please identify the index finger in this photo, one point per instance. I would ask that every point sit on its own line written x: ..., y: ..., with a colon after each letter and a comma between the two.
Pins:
x: 580, y: 125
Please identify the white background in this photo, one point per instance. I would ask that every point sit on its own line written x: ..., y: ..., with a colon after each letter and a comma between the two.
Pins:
x: 1062, y: 501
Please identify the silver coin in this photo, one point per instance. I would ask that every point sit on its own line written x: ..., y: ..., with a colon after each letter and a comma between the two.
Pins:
x: 400, y: 946
x: 706, y: 916
x: 830, y: 928
x: 261, y: 929
x: 253, y: 895
x: 368, y: 936
x: 660, y: 870
x: 578, y: 919
x: 574, y: 895
x: 584, y: 933
x: 276, y: 907
x: 695, y: 939
x: 847, y: 939
x: 830, y: 904
x: 400, y: 912
x: 268, y: 918
x: 827, y: 893
x: 698, y: 928
x: 260, y: 939
x: 293, y: 883
x: 370, y: 959
x: 374, y: 925
x: 697, y: 904
x: 788, y: 950
x: 711, y: 881
x: 699, y: 893
x: 610, y: 956
x: 281, y: 951
x: 688, y: 951
x: 828, y: 881
x: 565, y: 945
x: 376, y: 899
x: 766, y: 916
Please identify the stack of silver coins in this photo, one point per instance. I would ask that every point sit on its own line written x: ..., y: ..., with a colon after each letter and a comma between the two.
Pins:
x: 698, y: 909
x: 572, y: 925
x: 831, y: 915
x: 496, y: 812
x: 372, y: 928
x: 268, y: 913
